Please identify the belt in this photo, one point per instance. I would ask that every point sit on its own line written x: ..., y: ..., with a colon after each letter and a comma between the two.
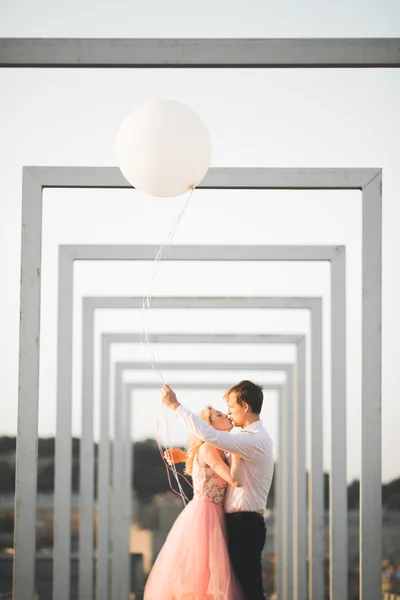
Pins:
x: 245, y: 512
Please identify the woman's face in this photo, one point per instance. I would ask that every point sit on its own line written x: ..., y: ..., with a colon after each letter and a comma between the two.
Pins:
x: 220, y: 421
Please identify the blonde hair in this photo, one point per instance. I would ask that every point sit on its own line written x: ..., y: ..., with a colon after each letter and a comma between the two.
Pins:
x: 195, y: 442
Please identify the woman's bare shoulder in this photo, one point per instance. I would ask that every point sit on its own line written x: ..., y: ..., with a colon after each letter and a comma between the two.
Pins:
x: 212, y: 451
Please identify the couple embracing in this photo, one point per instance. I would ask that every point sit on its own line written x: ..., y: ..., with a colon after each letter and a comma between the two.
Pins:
x: 213, y: 551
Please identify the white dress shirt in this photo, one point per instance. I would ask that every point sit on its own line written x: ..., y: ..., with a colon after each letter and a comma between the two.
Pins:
x: 254, y: 445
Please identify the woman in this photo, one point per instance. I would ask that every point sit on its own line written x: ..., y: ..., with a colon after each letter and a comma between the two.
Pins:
x: 194, y: 563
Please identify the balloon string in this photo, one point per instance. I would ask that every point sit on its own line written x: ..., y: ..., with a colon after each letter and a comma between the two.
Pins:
x: 175, y: 472
x: 151, y: 362
x: 171, y: 467
x: 145, y: 342
x: 168, y: 446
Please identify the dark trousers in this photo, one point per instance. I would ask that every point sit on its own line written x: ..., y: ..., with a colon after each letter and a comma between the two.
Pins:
x: 246, y: 539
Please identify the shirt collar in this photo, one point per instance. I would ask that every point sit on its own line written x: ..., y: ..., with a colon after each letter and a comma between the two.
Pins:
x: 253, y: 426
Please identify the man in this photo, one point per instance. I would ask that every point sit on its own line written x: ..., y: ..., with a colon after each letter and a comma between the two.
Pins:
x: 244, y: 506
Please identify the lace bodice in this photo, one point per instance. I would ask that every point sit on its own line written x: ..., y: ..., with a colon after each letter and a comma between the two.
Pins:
x: 207, y: 484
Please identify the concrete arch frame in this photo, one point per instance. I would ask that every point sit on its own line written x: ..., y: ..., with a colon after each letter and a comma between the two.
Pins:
x: 311, y: 304
x: 369, y: 181
x: 128, y: 390
x: 336, y: 257
x: 297, y: 547
x: 117, y: 586
x: 303, y: 53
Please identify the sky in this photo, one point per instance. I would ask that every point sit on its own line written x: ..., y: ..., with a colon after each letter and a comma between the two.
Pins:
x: 277, y: 118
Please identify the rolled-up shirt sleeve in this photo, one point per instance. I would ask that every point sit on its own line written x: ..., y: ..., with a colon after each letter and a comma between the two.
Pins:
x: 243, y: 444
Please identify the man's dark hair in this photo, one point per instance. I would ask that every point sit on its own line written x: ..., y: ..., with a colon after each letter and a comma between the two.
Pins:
x: 249, y: 393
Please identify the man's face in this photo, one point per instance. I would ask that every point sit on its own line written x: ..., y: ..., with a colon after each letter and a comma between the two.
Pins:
x: 236, y: 412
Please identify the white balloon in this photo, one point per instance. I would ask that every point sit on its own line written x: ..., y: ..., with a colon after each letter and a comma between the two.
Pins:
x: 163, y: 148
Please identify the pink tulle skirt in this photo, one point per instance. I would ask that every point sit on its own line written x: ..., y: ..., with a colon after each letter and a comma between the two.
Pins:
x: 194, y: 563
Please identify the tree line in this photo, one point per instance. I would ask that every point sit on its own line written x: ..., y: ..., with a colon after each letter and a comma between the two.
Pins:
x: 149, y: 473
